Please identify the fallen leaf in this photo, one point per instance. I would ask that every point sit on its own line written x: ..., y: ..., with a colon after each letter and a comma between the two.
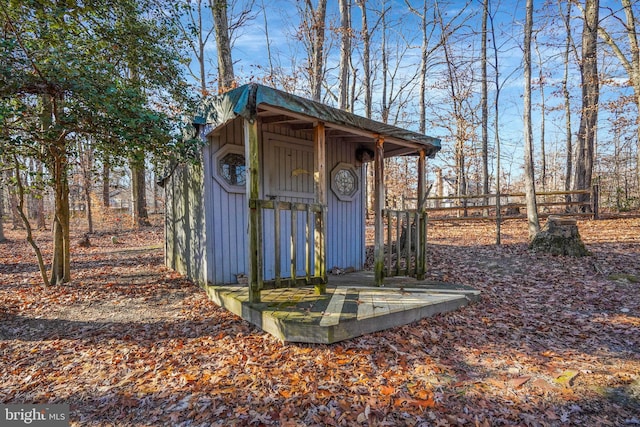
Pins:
x: 520, y: 381
x: 387, y: 390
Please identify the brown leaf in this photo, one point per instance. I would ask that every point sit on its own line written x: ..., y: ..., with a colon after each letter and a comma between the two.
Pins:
x: 520, y: 381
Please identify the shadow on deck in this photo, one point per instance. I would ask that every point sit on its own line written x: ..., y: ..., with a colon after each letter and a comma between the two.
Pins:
x: 350, y: 308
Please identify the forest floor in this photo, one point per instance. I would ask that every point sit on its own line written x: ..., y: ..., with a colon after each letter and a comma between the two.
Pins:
x: 554, y: 341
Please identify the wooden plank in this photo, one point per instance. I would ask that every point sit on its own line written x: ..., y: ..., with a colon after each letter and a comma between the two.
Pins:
x: 492, y: 218
x: 421, y: 178
x: 515, y: 205
x: 420, y: 229
x: 320, y: 184
x: 253, y: 193
x: 503, y: 195
x: 407, y: 246
x: 294, y: 242
x: 423, y: 247
x: 278, y: 247
x: 307, y: 242
x: 389, y: 242
x: 379, y: 201
x: 398, y: 249
x: 333, y: 311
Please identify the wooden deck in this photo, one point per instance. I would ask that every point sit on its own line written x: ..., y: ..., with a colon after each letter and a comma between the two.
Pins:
x: 350, y: 308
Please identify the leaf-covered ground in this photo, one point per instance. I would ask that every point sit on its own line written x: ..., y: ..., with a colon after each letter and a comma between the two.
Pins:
x: 554, y: 341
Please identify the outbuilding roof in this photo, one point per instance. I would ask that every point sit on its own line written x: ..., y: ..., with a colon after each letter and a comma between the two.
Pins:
x: 271, y: 105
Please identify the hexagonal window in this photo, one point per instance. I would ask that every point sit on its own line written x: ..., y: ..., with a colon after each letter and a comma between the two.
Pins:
x: 232, y: 169
x: 344, y: 181
x: 229, y: 168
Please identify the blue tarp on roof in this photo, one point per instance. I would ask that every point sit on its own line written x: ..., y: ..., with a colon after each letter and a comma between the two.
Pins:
x: 245, y: 100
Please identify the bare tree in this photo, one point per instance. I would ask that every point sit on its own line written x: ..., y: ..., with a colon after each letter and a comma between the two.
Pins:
x: 2, y: 237
x: 345, y: 52
x: 484, y: 104
x: 194, y: 25
x: 459, y: 84
x: 568, y: 47
x: 366, y: 58
x: 543, y: 114
x: 85, y: 153
x: 529, y: 178
x: 226, y: 76
x: 427, y: 49
x: 629, y: 55
x: 496, y: 123
x: 312, y: 32
x: 590, y: 94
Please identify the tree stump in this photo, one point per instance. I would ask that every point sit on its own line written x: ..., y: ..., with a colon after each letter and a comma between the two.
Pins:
x: 559, y: 236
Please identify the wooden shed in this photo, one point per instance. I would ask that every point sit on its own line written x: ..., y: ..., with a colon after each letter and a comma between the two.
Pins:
x: 279, y: 196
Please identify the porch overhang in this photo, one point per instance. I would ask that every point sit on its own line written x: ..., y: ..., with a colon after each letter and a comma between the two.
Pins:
x: 254, y: 101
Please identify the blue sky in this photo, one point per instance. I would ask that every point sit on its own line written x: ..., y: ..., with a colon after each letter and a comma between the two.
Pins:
x: 288, y: 53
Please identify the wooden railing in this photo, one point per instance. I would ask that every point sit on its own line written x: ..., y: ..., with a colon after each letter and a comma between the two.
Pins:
x: 483, y: 206
x: 405, y: 245
x: 303, y: 225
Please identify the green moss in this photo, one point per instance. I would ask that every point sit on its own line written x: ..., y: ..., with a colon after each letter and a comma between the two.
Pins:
x: 623, y: 276
x: 558, y: 245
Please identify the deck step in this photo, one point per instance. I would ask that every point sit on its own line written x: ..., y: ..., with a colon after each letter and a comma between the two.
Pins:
x: 344, y: 312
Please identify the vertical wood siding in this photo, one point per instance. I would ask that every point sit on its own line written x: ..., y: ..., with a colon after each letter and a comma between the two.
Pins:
x: 206, y: 226
x: 287, y: 177
x: 185, y: 226
x: 229, y: 216
x: 345, y: 228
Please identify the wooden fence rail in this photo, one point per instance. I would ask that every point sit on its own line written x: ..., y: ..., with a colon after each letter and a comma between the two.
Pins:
x: 297, y: 224
x: 406, y: 235
x: 483, y: 206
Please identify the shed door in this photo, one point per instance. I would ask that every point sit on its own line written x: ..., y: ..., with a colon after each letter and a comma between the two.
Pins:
x: 288, y: 177
x: 288, y: 169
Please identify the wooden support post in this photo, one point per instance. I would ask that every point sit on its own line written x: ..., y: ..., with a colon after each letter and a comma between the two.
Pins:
x: 253, y: 194
x: 421, y: 229
x: 389, y: 240
x: 407, y: 243
x: 320, y: 181
x: 307, y: 245
x: 379, y: 203
x: 595, y: 201
x: 276, y: 240
x: 294, y: 241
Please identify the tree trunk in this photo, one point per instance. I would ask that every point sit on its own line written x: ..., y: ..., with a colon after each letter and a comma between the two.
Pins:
x: 425, y: 53
x: 590, y: 90
x: 496, y: 131
x: 543, y: 113
x: 85, y: 151
x: 60, y: 263
x: 27, y: 225
x: 366, y: 59
x: 567, y: 105
x: 368, y: 91
x: 484, y: 105
x: 631, y: 64
x: 345, y: 52
x: 2, y: 237
x: 106, y: 195
x: 313, y: 31
x: 16, y: 221
x: 385, y: 64
x: 138, y: 193
x: 529, y: 178
x: 41, y: 223
x: 226, y: 77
